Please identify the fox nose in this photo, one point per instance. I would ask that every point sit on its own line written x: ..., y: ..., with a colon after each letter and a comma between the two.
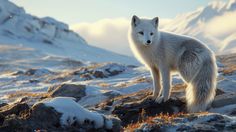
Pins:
x: 148, y: 42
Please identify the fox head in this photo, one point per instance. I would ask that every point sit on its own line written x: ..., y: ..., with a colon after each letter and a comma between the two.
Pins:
x: 144, y: 31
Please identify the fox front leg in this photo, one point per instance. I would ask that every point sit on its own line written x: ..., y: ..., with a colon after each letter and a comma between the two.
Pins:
x: 156, y: 82
x: 166, y: 80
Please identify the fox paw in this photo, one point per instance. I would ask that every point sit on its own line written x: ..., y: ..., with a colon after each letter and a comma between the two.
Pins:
x: 149, y: 98
x: 161, y: 99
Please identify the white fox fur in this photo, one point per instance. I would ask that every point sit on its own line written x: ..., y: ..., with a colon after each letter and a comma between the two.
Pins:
x: 164, y: 53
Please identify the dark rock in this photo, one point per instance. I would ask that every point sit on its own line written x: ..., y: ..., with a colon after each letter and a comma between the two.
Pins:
x: 17, y: 73
x: 23, y: 99
x: 30, y: 72
x: 233, y: 113
x: 38, y: 72
x: 219, y: 92
x: 99, y: 71
x: 131, y: 112
x: 69, y: 90
x: 200, y: 122
x: 114, y: 69
x: 34, y: 81
x: 46, y: 41
x: 150, y: 128
x: 12, y: 124
x: 111, y: 94
x: 99, y: 74
x: 73, y: 63
x: 1, y: 119
x: 39, y: 117
x: 42, y: 117
x: 116, y: 124
x: 3, y: 104
x: 224, y: 99
x: 86, y: 76
x: 14, y: 109
x: 132, y: 66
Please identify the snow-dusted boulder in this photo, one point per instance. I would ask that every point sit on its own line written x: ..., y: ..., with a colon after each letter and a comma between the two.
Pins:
x: 58, y: 114
x: 72, y: 112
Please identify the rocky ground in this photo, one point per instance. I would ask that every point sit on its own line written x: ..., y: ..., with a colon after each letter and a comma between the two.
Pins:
x: 108, y: 97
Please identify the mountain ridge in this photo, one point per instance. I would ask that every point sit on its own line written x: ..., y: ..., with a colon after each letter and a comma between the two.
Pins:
x: 49, y: 36
x: 200, y: 23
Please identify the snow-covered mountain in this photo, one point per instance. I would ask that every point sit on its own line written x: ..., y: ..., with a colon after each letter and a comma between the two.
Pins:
x: 49, y: 36
x: 214, y: 24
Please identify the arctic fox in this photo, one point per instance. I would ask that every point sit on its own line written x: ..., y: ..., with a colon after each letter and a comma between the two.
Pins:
x: 164, y: 53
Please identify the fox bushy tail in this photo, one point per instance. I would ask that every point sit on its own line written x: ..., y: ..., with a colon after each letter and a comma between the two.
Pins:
x: 201, y: 90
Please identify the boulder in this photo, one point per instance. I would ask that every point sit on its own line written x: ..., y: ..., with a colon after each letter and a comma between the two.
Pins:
x: 14, y: 109
x: 68, y: 90
x: 1, y: 119
x: 134, y: 111
x: 3, y: 104
x: 188, y: 122
x: 39, y: 117
x: 224, y: 99
x: 37, y: 72
x: 42, y: 117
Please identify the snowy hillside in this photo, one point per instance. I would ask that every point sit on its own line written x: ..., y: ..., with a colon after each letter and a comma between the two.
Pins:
x: 49, y: 37
x: 85, y: 97
x: 213, y: 24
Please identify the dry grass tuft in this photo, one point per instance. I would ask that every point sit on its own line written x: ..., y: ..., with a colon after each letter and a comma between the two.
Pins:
x: 229, y: 70
x: 105, y: 85
x: 26, y: 94
x: 155, y: 120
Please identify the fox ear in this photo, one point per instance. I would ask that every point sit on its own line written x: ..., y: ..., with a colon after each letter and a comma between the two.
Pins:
x: 135, y: 21
x: 155, y: 21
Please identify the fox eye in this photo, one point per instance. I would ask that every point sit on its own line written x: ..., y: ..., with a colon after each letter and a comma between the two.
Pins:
x: 151, y: 34
x: 140, y: 33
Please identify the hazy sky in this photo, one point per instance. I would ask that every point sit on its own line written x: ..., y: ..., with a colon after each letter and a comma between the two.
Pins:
x: 105, y: 23
x: 74, y: 11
